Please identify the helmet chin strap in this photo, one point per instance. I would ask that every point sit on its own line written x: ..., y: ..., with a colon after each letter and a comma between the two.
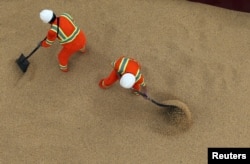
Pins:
x: 52, y: 19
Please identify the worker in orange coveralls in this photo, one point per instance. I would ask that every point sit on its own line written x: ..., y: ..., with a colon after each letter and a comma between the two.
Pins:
x: 128, y: 71
x: 70, y: 36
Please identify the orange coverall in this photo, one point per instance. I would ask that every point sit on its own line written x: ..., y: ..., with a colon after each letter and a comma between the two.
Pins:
x: 121, y: 66
x: 70, y: 37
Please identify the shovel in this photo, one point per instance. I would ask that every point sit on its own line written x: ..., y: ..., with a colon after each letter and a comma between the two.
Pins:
x: 174, y: 105
x: 23, y: 62
x: 153, y: 101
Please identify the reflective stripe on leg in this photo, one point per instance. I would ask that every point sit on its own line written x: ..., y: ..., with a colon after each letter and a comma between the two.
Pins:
x: 64, y: 68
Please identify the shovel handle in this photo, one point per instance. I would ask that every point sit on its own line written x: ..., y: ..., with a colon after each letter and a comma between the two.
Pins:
x: 142, y: 94
x: 37, y: 47
x: 152, y: 100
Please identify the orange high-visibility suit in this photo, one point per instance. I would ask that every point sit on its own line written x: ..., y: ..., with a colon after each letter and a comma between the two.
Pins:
x: 70, y: 37
x: 121, y: 66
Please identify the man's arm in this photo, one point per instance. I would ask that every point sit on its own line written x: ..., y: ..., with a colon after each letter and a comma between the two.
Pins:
x: 51, y: 37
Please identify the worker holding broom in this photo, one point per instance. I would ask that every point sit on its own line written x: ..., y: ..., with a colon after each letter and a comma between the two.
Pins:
x: 70, y: 36
x: 128, y: 71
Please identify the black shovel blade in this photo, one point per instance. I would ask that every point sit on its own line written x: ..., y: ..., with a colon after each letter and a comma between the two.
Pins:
x: 23, y: 63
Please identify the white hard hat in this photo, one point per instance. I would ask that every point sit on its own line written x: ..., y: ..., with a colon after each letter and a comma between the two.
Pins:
x: 46, y: 15
x: 127, y: 80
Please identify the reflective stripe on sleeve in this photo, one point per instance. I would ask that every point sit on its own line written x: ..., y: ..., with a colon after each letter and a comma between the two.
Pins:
x: 123, y: 65
x: 49, y: 42
x: 138, y: 75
